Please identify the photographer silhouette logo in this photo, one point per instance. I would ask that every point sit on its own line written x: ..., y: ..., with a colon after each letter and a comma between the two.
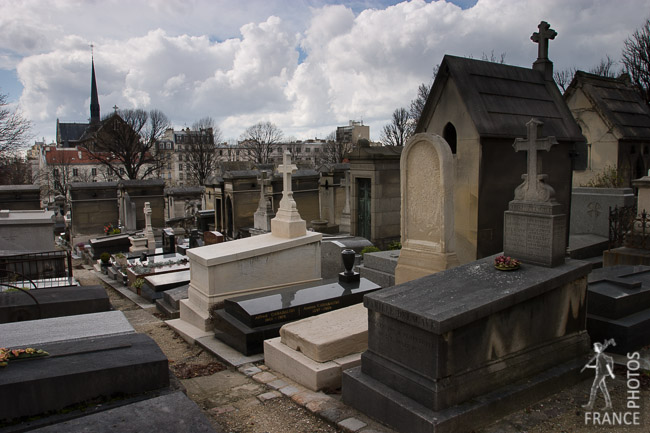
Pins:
x: 604, y: 369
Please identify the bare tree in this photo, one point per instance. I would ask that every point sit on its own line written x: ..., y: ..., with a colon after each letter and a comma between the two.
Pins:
x: 605, y: 68
x: 335, y: 152
x: 128, y: 140
x: 14, y: 129
x: 636, y: 59
x: 260, y: 139
x: 563, y: 78
x: 397, y: 132
x: 14, y: 170
x: 201, y: 151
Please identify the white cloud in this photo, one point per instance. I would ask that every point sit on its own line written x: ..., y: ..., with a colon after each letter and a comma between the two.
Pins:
x: 239, y: 61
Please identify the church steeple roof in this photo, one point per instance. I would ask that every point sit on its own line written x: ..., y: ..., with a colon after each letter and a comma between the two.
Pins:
x: 94, y: 98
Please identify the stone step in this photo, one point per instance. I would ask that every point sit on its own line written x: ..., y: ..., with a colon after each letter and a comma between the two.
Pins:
x: 174, y: 296
x: 167, y: 310
x: 382, y: 279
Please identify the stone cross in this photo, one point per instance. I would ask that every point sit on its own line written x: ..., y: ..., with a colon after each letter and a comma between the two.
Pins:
x: 534, y: 190
x: 545, y: 33
x: 287, y: 169
x: 264, y: 181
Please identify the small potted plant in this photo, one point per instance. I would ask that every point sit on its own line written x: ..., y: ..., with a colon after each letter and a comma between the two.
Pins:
x: 137, y: 285
x: 120, y: 259
x: 105, y: 258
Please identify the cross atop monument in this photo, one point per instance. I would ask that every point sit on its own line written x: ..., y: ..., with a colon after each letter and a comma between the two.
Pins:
x: 533, y: 188
x: 545, y: 33
x: 287, y: 169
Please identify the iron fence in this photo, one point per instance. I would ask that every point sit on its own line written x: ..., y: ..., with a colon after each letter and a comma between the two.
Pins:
x: 42, y: 269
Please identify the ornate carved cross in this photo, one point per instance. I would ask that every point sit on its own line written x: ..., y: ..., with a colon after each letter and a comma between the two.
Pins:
x: 545, y: 33
x: 532, y: 144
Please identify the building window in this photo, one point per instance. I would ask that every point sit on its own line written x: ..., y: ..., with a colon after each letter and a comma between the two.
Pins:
x: 75, y: 172
x: 180, y: 176
x: 93, y: 171
x: 169, y: 166
x: 55, y: 172
x: 180, y: 167
x: 121, y: 171
x: 449, y: 134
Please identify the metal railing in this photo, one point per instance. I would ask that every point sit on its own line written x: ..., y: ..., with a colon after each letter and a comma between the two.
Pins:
x: 43, y: 269
x: 629, y: 229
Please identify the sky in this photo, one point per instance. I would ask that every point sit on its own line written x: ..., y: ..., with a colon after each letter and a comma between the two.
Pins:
x: 308, y: 66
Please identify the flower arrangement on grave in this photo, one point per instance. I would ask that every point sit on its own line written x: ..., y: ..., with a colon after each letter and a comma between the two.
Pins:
x: 137, y: 284
x: 105, y: 258
x: 7, y: 355
x: 120, y: 259
x: 505, y: 263
x: 109, y: 229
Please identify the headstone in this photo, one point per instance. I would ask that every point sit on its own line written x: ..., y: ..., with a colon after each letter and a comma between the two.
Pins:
x: 426, y: 170
x: 534, y: 227
x: 168, y: 241
x: 212, y: 237
x: 331, y: 248
x: 344, y: 226
x: 129, y: 213
x: 155, y: 285
x: 380, y: 267
x: 287, y: 222
x: 52, y: 302
x: 169, y: 305
x: 148, y: 229
x: 195, y: 239
x: 246, y: 321
x: 618, y: 306
x: 264, y: 213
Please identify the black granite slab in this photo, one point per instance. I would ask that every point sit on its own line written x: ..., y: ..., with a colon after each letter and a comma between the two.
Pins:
x: 170, y: 280
x: 79, y: 370
x: 170, y: 413
x: 279, y: 306
x: 246, y: 321
x: 52, y: 302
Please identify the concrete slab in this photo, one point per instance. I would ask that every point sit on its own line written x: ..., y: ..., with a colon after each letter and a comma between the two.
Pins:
x: 171, y: 413
x: 330, y: 335
x: 35, y: 332
x: 226, y: 353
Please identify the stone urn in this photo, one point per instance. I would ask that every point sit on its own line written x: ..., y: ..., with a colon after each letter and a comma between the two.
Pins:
x: 319, y: 225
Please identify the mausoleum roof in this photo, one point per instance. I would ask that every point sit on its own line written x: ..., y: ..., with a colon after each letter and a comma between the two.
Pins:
x: 501, y: 99
x: 617, y: 102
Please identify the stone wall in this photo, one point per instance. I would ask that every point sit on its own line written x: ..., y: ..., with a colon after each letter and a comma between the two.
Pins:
x: 92, y: 206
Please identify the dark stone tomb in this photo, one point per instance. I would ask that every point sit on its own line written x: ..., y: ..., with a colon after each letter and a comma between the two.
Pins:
x: 454, y: 350
x: 618, y: 307
x: 80, y: 370
x: 52, y: 302
x: 246, y: 321
x: 109, y: 244
x: 170, y: 413
x: 169, y: 304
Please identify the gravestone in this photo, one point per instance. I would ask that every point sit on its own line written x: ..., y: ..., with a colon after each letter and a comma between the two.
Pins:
x: 212, y: 237
x: 128, y: 213
x: 344, y: 226
x: 195, y: 239
x: 287, y: 222
x: 427, y: 217
x: 52, y: 302
x: 534, y: 227
x: 169, y: 305
x: 169, y: 241
x: 155, y: 285
x: 148, y: 229
x: 264, y: 213
x: 618, y: 306
x: 246, y: 321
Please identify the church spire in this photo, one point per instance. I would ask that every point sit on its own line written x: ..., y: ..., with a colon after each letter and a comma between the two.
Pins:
x: 94, y: 99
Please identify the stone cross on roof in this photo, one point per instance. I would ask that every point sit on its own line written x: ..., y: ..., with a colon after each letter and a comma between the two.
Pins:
x: 533, y: 189
x: 287, y: 169
x: 545, y: 33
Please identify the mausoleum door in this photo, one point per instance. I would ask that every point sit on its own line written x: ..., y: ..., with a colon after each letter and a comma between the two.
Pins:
x: 363, y: 213
x: 229, y: 217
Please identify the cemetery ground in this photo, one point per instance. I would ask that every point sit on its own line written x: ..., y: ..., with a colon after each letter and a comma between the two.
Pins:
x: 248, y: 401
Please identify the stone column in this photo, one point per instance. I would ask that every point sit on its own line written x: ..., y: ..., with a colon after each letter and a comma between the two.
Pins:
x: 344, y: 227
